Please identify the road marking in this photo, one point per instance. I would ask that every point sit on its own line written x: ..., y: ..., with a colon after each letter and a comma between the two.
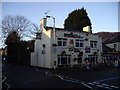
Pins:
x: 74, y: 81
x: 36, y: 69
x: 91, y: 83
x: 60, y: 77
x: 107, y: 87
x: 107, y: 79
x: 8, y: 85
x: 42, y: 71
x: 99, y: 85
x: 95, y: 83
x: 114, y: 86
x: 105, y: 84
x: 4, y: 79
x: 102, y: 85
x: 46, y: 72
x: 86, y: 85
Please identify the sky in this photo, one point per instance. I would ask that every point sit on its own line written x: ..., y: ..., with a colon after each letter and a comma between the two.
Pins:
x: 103, y: 15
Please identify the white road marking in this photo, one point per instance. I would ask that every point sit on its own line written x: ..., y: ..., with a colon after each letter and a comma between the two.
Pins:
x: 74, y: 80
x: 36, y: 69
x: 105, y: 84
x: 86, y: 85
x: 108, y: 79
x: 95, y: 83
x: 99, y: 85
x: 107, y: 87
x: 8, y: 85
x: 114, y: 86
x: 91, y: 83
x: 4, y: 79
x: 60, y: 77
x: 46, y: 72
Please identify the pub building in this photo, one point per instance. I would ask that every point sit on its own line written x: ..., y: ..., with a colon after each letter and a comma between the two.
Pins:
x: 58, y: 47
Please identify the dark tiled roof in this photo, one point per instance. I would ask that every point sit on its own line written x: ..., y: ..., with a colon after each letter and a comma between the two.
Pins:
x: 116, y: 39
x: 106, y: 48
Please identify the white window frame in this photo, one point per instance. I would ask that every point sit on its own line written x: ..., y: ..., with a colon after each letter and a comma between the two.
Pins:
x: 79, y: 43
x: 62, y: 42
x: 67, y: 56
x: 94, y: 44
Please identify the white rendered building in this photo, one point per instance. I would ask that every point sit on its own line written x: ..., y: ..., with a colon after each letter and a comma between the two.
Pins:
x: 58, y: 47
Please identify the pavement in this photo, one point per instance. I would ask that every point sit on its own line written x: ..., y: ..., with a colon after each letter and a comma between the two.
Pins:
x: 22, y: 76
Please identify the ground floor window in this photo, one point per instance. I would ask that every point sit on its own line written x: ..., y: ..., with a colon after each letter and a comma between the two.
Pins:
x: 64, y: 59
x: 92, y: 58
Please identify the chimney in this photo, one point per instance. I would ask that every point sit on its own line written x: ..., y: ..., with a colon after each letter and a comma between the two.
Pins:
x: 43, y: 23
x: 87, y: 29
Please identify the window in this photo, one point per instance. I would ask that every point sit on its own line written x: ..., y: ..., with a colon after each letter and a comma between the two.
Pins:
x: 64, y: 59
x: 62, y: 42
x: 92, y: 58
x: 79, y: 43
x: 93, y: 44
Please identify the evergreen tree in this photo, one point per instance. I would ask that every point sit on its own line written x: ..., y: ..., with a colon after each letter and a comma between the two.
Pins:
x: 13, y: 37
x: 77, y: 19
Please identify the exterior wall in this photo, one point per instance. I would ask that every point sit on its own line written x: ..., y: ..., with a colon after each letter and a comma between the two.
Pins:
x: 111, y: 45
x: 36, y: 55
x: 42, y: 56
x: 46, y: 40
x: 91, y: 37
x: 46, y: 54
x: 118, y: 46
x: 49, y: 58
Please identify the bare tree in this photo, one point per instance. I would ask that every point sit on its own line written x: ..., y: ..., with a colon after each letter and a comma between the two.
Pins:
x: 20, y: 24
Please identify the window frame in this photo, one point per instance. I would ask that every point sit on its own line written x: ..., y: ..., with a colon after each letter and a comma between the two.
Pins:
x: 79, y: 43
x: 93, y: 44
x: 62, y: 42
x: 67, y: 59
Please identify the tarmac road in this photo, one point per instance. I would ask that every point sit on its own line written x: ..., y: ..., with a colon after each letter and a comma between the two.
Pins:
x: 21, y: 76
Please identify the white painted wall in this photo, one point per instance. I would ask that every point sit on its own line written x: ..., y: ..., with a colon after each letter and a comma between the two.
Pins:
x: 47, y: 60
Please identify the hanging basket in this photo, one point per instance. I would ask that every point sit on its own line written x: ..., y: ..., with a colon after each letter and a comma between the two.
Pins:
x: 94, y: 53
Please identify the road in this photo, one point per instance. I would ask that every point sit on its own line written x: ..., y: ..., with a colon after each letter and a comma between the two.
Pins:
x: 21, y: 76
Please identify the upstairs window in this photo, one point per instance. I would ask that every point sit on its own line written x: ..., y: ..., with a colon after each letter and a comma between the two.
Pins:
x: 79, y: 43
x: 62, y: 42
x: 93, y: 44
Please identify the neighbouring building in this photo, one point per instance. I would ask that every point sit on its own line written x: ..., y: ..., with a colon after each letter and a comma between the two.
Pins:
x: 112, y: 50
x: 57, y: 47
